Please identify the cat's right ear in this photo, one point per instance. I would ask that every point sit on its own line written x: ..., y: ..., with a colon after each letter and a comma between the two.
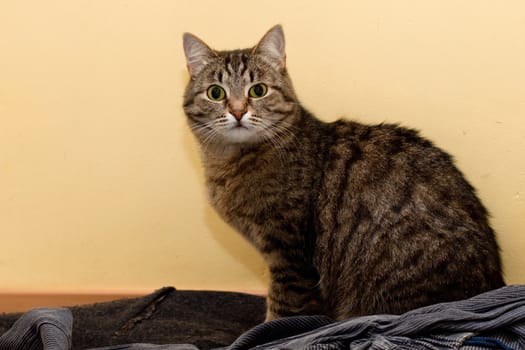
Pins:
x: 272, y: 45
x: 197, y: 53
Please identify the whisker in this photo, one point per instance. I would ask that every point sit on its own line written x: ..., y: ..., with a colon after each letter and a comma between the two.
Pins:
x: 206, y: 133
x: 280, y: 136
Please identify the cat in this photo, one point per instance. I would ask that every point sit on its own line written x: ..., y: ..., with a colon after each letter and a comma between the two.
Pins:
x: 351, y: 219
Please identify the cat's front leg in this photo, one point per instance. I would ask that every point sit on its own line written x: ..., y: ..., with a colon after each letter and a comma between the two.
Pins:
x: 294, y: 290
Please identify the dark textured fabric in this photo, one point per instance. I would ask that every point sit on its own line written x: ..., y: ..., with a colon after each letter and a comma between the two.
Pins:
x: 205, y: 319
x: 149, y: 347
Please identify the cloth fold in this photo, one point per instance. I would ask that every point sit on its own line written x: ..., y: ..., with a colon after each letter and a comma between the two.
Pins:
x: 497, y: 316
x: 40, y: 329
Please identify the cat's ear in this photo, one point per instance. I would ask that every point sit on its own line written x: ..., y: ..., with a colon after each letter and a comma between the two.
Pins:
x: 198, y: 54
x: 272, y: 46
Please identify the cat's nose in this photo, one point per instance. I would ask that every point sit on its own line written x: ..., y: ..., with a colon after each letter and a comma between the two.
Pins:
x: 238, y: 109
x: 238, y: 114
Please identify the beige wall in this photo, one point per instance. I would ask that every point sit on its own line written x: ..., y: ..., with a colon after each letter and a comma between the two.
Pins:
x: 100, y: 182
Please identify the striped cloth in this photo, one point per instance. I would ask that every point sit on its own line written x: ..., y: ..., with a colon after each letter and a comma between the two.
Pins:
x: 492, y: 320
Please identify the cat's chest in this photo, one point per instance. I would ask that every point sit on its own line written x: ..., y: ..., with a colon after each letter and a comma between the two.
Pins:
x: 243, y: 184
x: 249, y: 189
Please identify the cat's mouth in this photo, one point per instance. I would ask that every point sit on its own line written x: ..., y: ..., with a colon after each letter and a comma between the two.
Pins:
x: 240, y: 133
x: 239, y: 129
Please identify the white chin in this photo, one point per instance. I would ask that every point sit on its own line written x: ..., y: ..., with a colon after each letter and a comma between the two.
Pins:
x: 240, y: 135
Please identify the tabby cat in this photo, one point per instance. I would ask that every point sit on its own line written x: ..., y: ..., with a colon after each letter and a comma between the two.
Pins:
x: 351, y: 219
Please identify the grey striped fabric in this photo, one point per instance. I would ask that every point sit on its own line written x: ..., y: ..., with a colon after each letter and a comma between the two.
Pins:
x: 493, y: 320
x: 40, y: 329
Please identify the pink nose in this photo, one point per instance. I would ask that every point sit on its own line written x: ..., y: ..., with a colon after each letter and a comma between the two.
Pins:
x: 238, y: 114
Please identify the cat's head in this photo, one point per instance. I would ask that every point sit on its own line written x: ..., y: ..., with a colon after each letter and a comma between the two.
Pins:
x: 241, y: 96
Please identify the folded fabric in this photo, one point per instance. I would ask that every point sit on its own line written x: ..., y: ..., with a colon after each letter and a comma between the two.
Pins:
x: 40, y: 329
x: 492, y: 320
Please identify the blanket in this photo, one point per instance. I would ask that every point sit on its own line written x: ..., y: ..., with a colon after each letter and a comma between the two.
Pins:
x: 207, y: 319
x: 492, y: 320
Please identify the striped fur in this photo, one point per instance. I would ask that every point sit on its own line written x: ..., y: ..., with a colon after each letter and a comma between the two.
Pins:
x: 351, y: 219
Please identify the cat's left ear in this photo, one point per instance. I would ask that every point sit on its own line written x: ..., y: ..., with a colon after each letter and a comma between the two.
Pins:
x: 198, y: 54
x: 272, y: 46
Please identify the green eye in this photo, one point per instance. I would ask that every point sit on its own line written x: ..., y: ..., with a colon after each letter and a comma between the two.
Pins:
x: 216, y: 93
x: 258, y: 90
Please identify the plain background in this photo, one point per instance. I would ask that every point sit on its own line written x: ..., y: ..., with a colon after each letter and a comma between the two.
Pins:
x: 101, y: 187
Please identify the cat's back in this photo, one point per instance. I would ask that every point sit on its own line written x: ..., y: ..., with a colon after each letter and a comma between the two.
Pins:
x: 396, y: 212
x: 397, y: 160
